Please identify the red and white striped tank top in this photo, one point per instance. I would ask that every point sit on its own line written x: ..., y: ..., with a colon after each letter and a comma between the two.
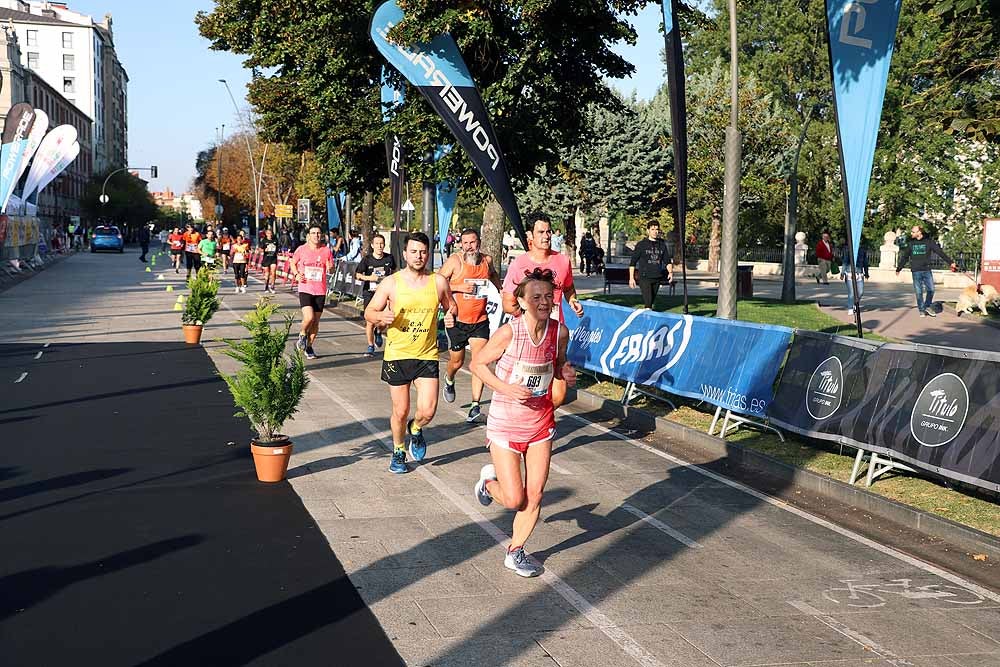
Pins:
x: 530, y: 365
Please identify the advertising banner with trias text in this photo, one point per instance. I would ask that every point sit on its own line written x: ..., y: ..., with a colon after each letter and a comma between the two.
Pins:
x: 727, y: 363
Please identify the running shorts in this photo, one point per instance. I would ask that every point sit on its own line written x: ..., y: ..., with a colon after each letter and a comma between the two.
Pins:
x: 545, y: 435
x: 459, y: 335
x: 240, y: 271
x: 192, y: 260
x: 314, y: 301
x: 404, y: 371
x: 176, y: 253
x: 367, y: 297
x: 269, y: 261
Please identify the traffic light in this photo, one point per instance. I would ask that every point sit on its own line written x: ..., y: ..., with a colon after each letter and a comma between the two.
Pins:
x: 152, y: 171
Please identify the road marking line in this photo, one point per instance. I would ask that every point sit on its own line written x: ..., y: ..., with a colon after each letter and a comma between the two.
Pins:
x: 39, y: 355
x: 850, y: 534
x: 23, y: 375
x: 591, y: 613
x: 47, y: 344
x: 853, y: 635
x: 660, y: 526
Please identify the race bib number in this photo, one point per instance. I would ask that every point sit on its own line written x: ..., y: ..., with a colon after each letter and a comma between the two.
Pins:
x: 209, y: 260
x: 191, y: 247
x: 379, y: 273
x: 313, y: 274
x: 239, y: 258
x: 478, y: 288
x: 225, y: 246
x: 536, y: 377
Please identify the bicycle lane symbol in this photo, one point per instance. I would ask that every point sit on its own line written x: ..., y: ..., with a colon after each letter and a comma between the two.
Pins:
x: 872, y: 595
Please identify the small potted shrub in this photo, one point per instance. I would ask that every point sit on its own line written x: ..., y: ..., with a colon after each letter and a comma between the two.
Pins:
x: 268, y: 388
x: 201, y: 304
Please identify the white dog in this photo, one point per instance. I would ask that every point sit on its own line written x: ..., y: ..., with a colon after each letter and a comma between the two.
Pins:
x: 970, y: 299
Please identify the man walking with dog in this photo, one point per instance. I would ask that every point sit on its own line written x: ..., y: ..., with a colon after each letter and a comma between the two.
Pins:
x: 918, y: 252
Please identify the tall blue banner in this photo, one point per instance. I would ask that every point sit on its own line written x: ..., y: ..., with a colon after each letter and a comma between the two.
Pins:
x: 861, y: 36
x: 438, y: 71
x: 447, y: 193
x: 727, y: 363
x: 335, y: 211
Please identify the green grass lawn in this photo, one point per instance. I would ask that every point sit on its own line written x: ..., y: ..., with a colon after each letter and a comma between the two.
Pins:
x: 800, y: 315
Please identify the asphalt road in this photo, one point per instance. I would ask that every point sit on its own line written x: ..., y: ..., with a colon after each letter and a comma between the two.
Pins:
x: 650, y: 560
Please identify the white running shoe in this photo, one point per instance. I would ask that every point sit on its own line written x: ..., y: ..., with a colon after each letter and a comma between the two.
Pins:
x: 487, y: 473
x: 518, y: 561
x: 237, y: 290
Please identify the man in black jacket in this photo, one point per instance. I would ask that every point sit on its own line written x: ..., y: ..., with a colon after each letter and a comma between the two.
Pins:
x: 144, y: 235
x: 918, y: 252
x: 650, y: 261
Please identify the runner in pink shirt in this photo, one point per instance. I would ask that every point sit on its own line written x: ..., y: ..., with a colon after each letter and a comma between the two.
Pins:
x: 541, y: 256
x: 310, y: 265
x: 530, y: 352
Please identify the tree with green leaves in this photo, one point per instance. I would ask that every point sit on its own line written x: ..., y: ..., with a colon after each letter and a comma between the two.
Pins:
x: 129, y: 202
x: 538, y: 68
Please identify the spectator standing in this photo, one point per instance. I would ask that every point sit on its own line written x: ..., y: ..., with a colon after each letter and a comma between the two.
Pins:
x: 588, y: 252
x: 354, y: 247
x: 144, y: 235
x: 162, y: 236
x: 918, y: 253
x: 861, y: 264
x: 824, y: 257
x: 558, y: 241
x: 337, y: 246
x: 652, y: 264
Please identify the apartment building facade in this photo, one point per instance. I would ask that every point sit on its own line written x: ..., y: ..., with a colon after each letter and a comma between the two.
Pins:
x: 76, y: 55
x: 61, y: 200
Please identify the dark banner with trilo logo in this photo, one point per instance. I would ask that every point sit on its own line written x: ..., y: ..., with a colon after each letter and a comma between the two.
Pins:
x: 935, y: 408
x: 440, y: 74
x: 822, y: 386
x: 727, y: 363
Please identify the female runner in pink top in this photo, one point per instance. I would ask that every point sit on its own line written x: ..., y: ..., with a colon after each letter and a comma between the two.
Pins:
x: 530, y: 351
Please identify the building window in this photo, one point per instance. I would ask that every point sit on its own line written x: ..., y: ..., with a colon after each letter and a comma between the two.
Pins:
x: 32, y: 60
x: 69, y: 84
x: 67, y: 40
x: 32, y: 38
x: 68, y: 62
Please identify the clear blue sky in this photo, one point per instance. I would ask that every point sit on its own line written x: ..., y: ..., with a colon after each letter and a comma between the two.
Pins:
x: 176, y: 102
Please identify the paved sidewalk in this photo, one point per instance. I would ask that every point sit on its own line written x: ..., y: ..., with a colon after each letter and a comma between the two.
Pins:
x: 649, y: 560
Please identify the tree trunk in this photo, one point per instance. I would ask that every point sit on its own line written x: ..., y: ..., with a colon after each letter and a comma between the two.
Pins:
x: 569, y: 234
x: 715, y: 242
x: 367, y: 221
x: 491, y: 233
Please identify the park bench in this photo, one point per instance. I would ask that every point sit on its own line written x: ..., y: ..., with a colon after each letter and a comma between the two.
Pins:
x: 618, y: 275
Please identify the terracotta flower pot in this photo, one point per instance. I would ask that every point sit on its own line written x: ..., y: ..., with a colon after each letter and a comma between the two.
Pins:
x: 192, y: 333
x: 271, y: 459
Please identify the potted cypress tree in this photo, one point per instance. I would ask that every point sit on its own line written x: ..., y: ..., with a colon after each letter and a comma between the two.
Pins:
x: 268, y: 388
x: 201, y: 304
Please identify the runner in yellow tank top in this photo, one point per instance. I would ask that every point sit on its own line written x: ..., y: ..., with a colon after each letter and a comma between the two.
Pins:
x: 408, y: 306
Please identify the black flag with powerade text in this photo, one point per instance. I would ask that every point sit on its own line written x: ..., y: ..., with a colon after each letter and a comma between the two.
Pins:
x: 438, y: 71
x: 678, y: 121
x: 395, y: 155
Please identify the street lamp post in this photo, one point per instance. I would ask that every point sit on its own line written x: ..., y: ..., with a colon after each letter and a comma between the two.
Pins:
x: 257, y: 178
x: 731, y: 193
x: 218, y: 184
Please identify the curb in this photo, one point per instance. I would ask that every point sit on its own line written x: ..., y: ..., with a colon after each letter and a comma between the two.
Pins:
x: 742, y: 458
